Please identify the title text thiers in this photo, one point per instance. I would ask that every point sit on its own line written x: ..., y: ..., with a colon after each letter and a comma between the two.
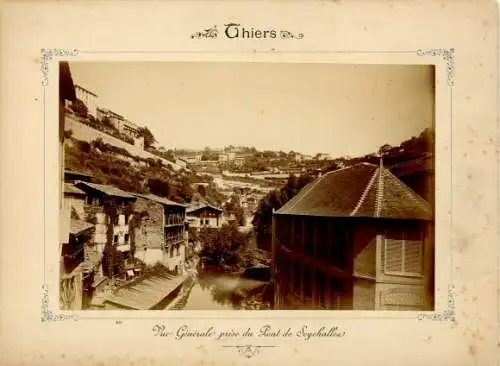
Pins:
x: 237, y: 31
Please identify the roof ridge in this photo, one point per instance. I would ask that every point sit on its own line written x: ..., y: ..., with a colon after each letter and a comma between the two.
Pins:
x: 364, y: 194
x: 380, y: 191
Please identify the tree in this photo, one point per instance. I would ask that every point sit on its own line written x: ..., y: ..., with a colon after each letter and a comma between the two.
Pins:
x: 79, y: 108
x: 149, y: 138
x: 222, y: 247
x: 159, y: 187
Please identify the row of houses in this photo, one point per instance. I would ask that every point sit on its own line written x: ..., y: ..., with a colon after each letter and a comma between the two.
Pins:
x: 141, y: 229
x: 122, y: 124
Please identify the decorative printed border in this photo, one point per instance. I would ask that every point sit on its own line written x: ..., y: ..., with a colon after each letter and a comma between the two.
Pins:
x: 212, y: 33
x: 248, y: 351
x: 47, y: 55
x: 284, y: 34
x: 447, y: 315
x: 448, y: 54
x: 208, y: 33
x: 48, y: 315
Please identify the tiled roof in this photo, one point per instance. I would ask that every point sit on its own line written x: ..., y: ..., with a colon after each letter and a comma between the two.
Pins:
x: 195, y: 208
x: 162, y: 200
x: 79, y: 226
x: 107, y: 190
x: 362, y: 190
x: 147, y: 293
x: 71, y: 189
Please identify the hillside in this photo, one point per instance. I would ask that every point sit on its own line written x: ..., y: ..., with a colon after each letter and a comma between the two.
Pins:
x: 115, y: 166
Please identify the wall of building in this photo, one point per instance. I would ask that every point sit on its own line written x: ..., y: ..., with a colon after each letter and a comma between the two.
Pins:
x: 198, y: 222
x: 363, y: 294
x: 150, y: 234
x: 76, y: 203
x: 89, y: 100
x: 365, y: 251
x: 390, y: 296
x: 177, y: 261
x: 87, y: 133
x: 150, y: 256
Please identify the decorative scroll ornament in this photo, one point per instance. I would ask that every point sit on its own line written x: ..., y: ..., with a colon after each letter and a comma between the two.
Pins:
x: 47, y: 55
x: 248, y: 350
x: 206, y: 33
x: 284, y: 34
x: 48, y: 315
x: 447, y: 315
x: 448, y: 54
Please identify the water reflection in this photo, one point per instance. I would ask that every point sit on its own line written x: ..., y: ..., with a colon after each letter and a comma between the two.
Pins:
x: 231, y: 292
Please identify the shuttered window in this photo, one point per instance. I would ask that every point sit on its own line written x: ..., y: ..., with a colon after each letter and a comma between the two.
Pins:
x: 403, y: 253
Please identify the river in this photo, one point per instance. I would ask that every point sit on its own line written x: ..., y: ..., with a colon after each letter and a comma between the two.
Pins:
x: 219, y: 291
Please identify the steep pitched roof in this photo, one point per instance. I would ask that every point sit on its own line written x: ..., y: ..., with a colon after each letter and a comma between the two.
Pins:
x: 361, y: 190
x: 105, y: 189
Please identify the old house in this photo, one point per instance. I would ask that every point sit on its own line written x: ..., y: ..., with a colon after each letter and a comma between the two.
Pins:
x: 355, y: 238
x: 75, y: 268
x: 162, y: 235
x: 203, y: 215
x: 111, y: 211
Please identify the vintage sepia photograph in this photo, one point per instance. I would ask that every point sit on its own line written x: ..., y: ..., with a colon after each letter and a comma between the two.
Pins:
x: 246, y: 186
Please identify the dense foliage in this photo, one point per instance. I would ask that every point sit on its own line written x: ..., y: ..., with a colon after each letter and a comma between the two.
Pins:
x: 223, y: 247
x: 115, y: 166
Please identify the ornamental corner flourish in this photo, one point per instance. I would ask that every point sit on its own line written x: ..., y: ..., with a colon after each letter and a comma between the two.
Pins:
x: 447, y: 54
x: 47, y: 55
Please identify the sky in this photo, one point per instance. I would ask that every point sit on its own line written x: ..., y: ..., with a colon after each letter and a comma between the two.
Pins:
x: 340, y: 109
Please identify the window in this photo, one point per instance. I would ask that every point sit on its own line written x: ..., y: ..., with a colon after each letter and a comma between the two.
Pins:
x: 127, y: 238
x: 115, y: 239
x: 403, y: 253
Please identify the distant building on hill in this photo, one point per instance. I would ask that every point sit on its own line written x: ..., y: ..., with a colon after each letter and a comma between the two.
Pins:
x: 123, y: 125
x: 88, y: 98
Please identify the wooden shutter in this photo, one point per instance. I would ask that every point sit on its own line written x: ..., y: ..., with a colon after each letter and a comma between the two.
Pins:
x: 393, y: 255
x: 413, y: 257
